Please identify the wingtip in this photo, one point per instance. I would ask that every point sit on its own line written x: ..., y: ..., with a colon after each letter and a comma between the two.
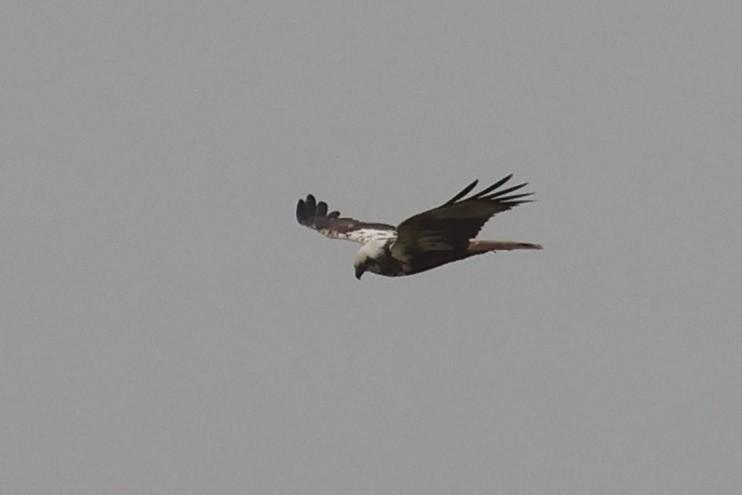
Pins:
x: 301, y: 211
x: 305, y: 209
x: 463, y: 192
x: 309, y: 209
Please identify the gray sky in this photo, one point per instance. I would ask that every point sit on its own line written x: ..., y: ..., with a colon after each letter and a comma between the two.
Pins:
x: 167, y: 327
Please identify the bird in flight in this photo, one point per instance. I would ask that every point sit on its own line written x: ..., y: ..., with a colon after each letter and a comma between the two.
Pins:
x: 427, y: 240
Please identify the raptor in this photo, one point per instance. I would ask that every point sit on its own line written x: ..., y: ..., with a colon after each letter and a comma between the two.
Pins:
x: 424, y: 241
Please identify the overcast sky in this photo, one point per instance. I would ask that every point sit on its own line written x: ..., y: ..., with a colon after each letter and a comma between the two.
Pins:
x: 167, y: 327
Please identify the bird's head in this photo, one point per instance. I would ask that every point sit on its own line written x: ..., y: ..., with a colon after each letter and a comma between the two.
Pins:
x: 360, y: 269
x: 368, y: 258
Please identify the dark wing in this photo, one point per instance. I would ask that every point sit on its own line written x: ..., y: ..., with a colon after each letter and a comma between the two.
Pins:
x: 314, y: 215
x: 451, y: 225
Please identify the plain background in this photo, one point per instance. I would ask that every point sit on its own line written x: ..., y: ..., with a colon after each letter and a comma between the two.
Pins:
x: 167, y: 327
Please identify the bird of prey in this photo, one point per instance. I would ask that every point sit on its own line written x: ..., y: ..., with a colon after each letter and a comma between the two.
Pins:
x: 427, y: 240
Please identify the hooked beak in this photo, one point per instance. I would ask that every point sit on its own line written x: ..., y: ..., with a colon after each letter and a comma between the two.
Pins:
x: 359, y: 271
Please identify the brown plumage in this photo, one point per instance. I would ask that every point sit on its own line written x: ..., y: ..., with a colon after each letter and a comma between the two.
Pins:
x: 427, y: 240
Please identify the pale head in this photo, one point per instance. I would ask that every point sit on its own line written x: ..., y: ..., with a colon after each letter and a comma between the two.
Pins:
x: 368, y: 257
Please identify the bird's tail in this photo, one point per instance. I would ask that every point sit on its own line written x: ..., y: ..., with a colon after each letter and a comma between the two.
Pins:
x: 476, y: 247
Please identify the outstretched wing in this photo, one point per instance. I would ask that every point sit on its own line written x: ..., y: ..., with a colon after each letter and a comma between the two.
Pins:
x: 314, y: 215
x: 450, y: 226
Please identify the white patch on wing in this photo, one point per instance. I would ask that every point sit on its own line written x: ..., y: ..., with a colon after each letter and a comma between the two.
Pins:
x: 361, y: 235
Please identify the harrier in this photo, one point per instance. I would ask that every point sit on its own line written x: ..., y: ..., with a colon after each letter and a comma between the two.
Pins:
x: 427, y: 240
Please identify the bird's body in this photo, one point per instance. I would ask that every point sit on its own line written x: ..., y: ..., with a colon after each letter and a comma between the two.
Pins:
x: 424, y: 241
